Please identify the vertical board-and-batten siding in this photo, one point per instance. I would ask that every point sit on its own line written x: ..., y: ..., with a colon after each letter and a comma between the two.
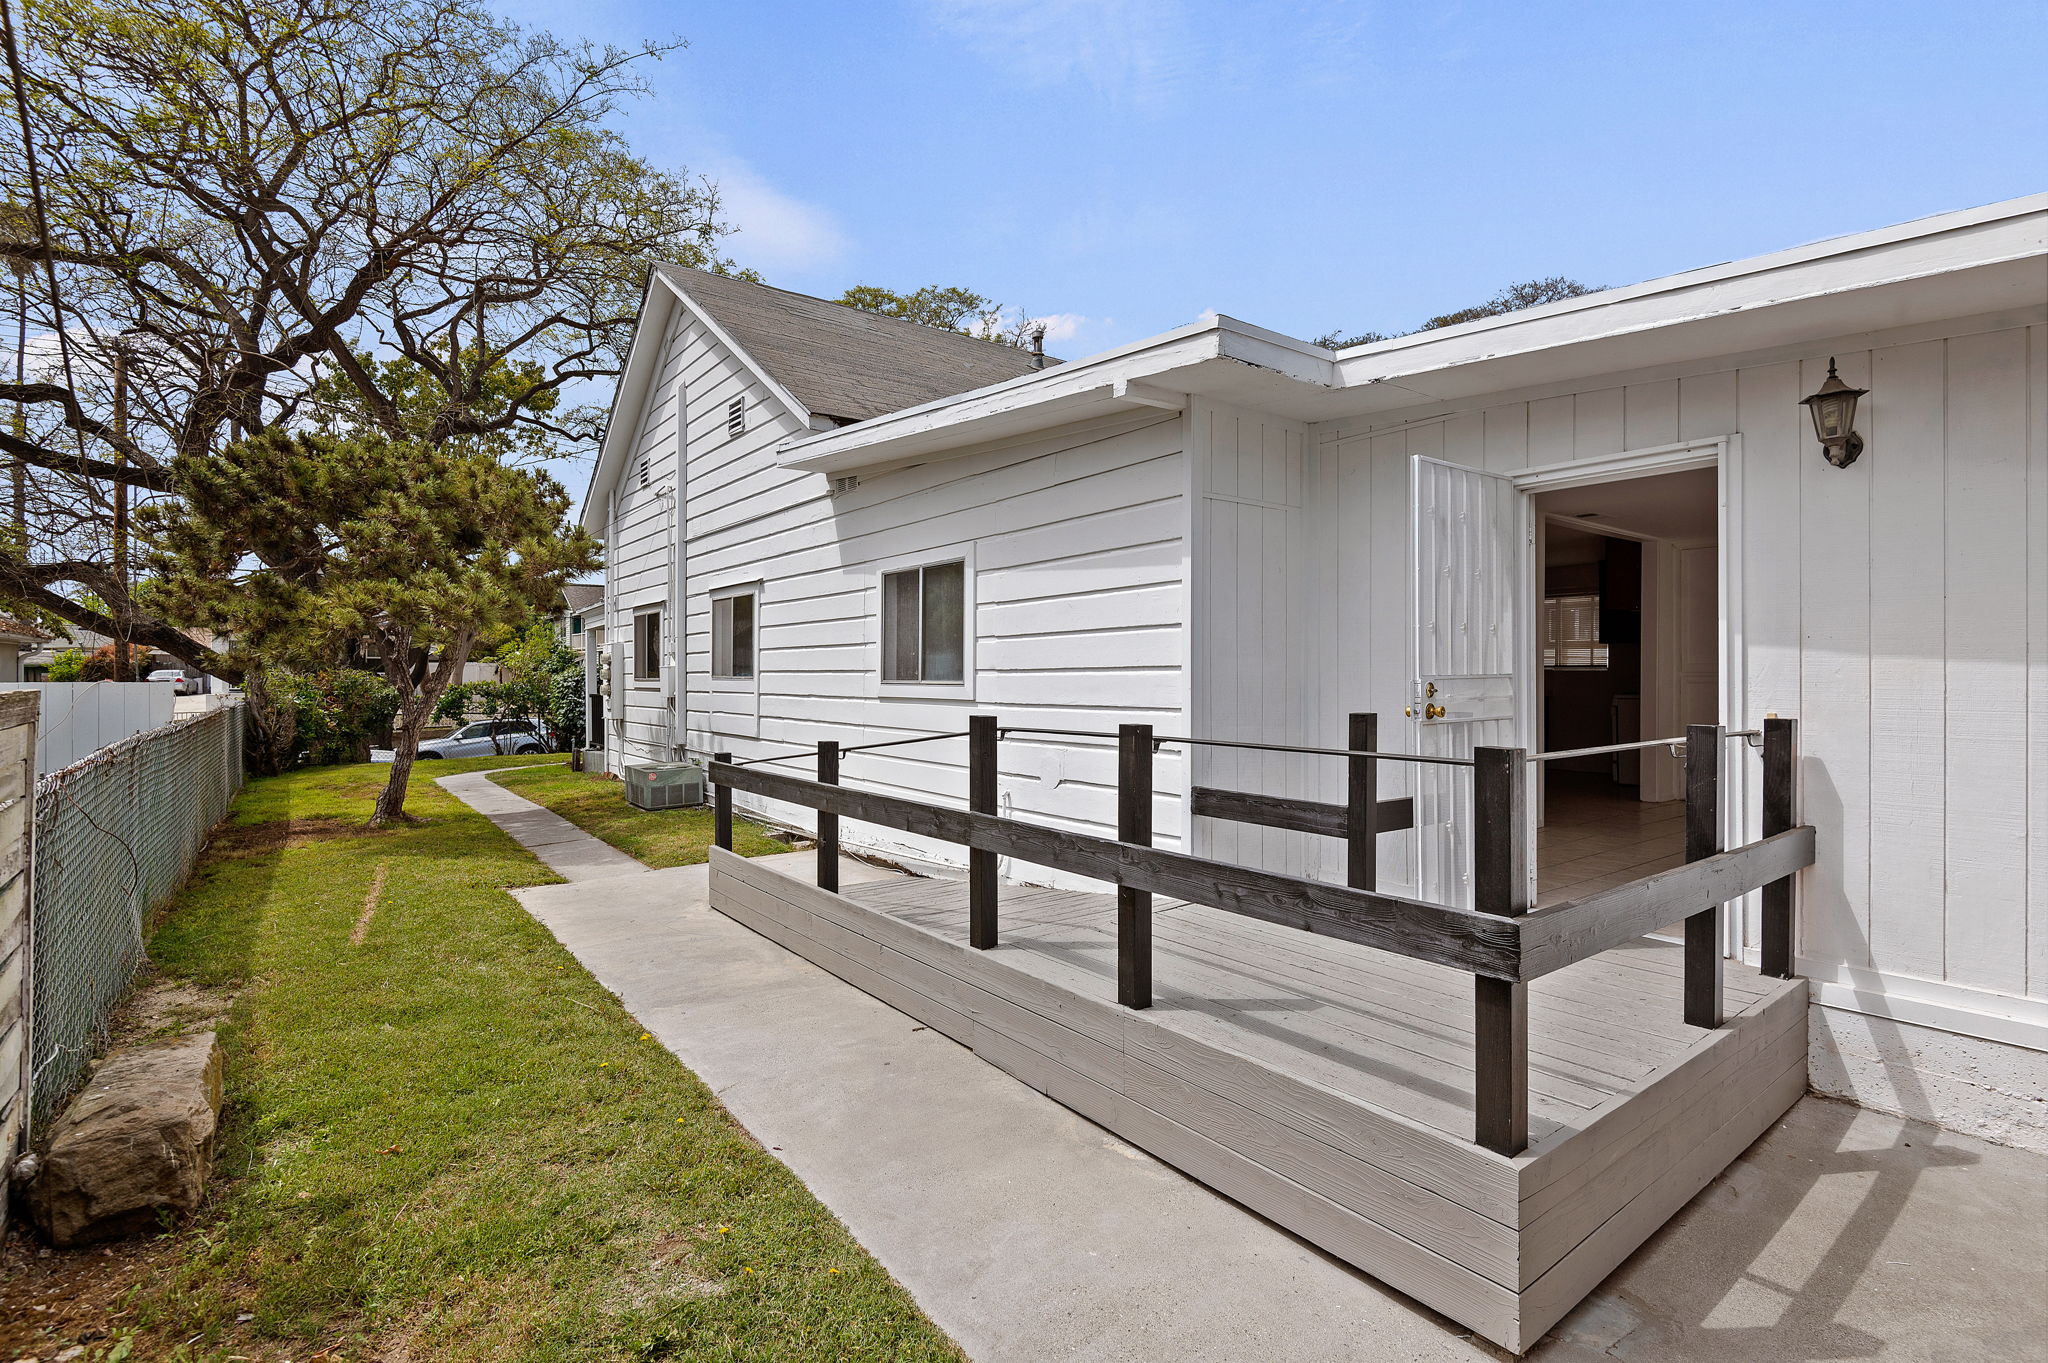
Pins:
x: 1899, y: 608
x: 1258, y: 659
x: 1078, y: 540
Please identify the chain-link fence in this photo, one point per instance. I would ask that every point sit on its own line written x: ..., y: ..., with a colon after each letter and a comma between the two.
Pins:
x: 116, y: 836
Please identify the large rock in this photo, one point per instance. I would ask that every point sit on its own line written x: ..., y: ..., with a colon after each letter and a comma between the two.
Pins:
x: 134, y: 1146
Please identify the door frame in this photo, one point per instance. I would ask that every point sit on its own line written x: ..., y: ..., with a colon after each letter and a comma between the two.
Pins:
x: 1722, y: 453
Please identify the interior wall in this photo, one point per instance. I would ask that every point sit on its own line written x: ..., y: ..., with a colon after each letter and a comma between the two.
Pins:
x: 1579, y: 704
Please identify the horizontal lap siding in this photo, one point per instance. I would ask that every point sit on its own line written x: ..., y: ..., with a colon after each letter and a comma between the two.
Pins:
x: 1898, y: 608
x: 1079, y: 541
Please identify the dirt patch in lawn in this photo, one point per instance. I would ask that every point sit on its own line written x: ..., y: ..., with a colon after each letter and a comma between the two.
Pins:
x: 280, y: 835
x: 54, y: 1299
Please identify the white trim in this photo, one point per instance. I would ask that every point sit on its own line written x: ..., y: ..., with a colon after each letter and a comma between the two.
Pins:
x: 1623, y: 465
x: 658, y: 608
x: 1723, y: 454
x: 2003, y: 1018
x: 748, y: 687
x: 963, y: 689
x: 739, y: 352
x: 726, y: 592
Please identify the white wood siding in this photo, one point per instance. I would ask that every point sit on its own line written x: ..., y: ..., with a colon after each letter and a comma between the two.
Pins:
x: 1898, y: 608
x: 1079, y: 543
x: 1258, y: 662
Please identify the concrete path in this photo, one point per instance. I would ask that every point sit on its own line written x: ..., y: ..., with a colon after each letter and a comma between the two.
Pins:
x: 569, y: 851
x: 1028, y: 1233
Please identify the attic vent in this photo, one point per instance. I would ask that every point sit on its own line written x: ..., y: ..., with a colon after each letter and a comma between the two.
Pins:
x: 646, y: 471
x: 736, y: 417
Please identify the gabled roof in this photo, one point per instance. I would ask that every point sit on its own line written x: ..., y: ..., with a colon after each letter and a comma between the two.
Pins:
x: 581, y: 596
x: 842, y: 362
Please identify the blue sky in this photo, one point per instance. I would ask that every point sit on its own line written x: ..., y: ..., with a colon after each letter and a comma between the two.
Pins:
x: 1128, y: 165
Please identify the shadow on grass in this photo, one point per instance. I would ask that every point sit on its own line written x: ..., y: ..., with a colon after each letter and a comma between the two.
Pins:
x: 446, y: 1141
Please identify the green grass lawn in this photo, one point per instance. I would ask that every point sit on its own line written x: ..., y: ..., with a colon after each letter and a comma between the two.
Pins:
x: 446, y: 1141
x: 660, y: 837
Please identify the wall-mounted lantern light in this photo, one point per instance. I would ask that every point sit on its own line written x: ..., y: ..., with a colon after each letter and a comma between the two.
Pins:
x: 1834, y: 419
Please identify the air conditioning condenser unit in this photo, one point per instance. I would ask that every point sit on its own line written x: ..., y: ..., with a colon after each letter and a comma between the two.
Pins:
x: 663, y: 785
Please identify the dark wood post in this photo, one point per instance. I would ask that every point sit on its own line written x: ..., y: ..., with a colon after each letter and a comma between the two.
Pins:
x: 1362, y: 805
x: 721, y: 822
x: 1781, y: 775
x: 982, y: 766
x: 828, y: 824
x: 1500, y: 1008
x: 1134, y: 825
x: 1703, y: 744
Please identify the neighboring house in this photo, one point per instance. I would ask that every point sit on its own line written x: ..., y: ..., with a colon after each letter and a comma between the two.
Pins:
x: 35, y: 662
x: 17, y: 639
x: 1594, y: 521
x: 581, y: 604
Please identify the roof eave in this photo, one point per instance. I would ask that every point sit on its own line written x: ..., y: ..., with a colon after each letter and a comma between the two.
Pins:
x: 1157, y: 373
x: 1839, y: 286
x: 642, y: 361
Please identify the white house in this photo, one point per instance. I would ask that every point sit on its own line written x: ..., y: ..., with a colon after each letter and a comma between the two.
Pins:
x: 1591, y: 522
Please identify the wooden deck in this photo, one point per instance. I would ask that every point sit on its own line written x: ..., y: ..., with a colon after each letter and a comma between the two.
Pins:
x: 1328, y: 1086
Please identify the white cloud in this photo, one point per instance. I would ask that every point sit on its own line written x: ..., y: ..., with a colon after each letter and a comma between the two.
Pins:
x: 1151, y: 52
x: 1134, y: 48
x: 777, y: 232
x: 1063, y: 326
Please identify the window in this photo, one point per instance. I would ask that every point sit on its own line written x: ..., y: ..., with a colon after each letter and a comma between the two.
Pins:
x: 1571, y: 632
x: 575, y: 624
x: 924, y: 623
x: 732, y: 635
x: 647, y: 646
x: 736, y: 417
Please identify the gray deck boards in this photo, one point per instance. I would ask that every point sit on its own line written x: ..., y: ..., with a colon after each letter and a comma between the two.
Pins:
x: 1328, y: 1086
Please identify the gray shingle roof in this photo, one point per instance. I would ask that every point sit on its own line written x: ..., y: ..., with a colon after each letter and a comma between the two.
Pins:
x: 844, y: 362
x: 581, y: 596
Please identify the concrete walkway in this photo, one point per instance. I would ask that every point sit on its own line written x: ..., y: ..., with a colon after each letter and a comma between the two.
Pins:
x: 1028, y: 1233
x: 569, y: 851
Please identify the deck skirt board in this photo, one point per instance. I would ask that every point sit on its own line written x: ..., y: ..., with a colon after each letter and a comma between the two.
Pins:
x: 1327, y: 1085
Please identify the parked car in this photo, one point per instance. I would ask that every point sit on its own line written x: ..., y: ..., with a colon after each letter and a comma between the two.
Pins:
x: 475, y: 740
x: 186, y: 685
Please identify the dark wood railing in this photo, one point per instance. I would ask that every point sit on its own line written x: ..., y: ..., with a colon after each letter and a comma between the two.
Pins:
x: 1503, y: 941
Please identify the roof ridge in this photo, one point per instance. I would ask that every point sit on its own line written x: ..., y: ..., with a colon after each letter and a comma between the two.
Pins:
x: 836, y: 303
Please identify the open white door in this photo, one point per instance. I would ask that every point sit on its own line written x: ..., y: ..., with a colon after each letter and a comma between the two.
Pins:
x: 1470, y: 557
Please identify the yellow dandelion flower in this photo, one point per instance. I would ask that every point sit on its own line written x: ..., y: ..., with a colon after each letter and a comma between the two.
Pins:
x: 724, y: 1229
x: 746, y: 1270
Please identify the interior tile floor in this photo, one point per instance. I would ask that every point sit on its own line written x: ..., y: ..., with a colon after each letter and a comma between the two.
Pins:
x: 1597, y: 834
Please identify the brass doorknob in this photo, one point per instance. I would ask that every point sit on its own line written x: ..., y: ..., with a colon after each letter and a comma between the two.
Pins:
x: 1408, y: 710
x: 1434, y: 712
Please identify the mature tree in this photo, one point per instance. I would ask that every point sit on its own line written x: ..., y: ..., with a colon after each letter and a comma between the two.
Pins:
x: 239, y: 214
x: 952, y: 309
x: 298, y: 543
x: 1528, y: 294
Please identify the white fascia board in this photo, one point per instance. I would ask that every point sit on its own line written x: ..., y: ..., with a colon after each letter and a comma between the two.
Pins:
x: 643, y: 361
x: 1147, y: 373
x: 766, y: 379
x: 1952, y: 242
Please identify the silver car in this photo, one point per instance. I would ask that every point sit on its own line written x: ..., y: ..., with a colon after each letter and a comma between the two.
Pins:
x: 475, y: 740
